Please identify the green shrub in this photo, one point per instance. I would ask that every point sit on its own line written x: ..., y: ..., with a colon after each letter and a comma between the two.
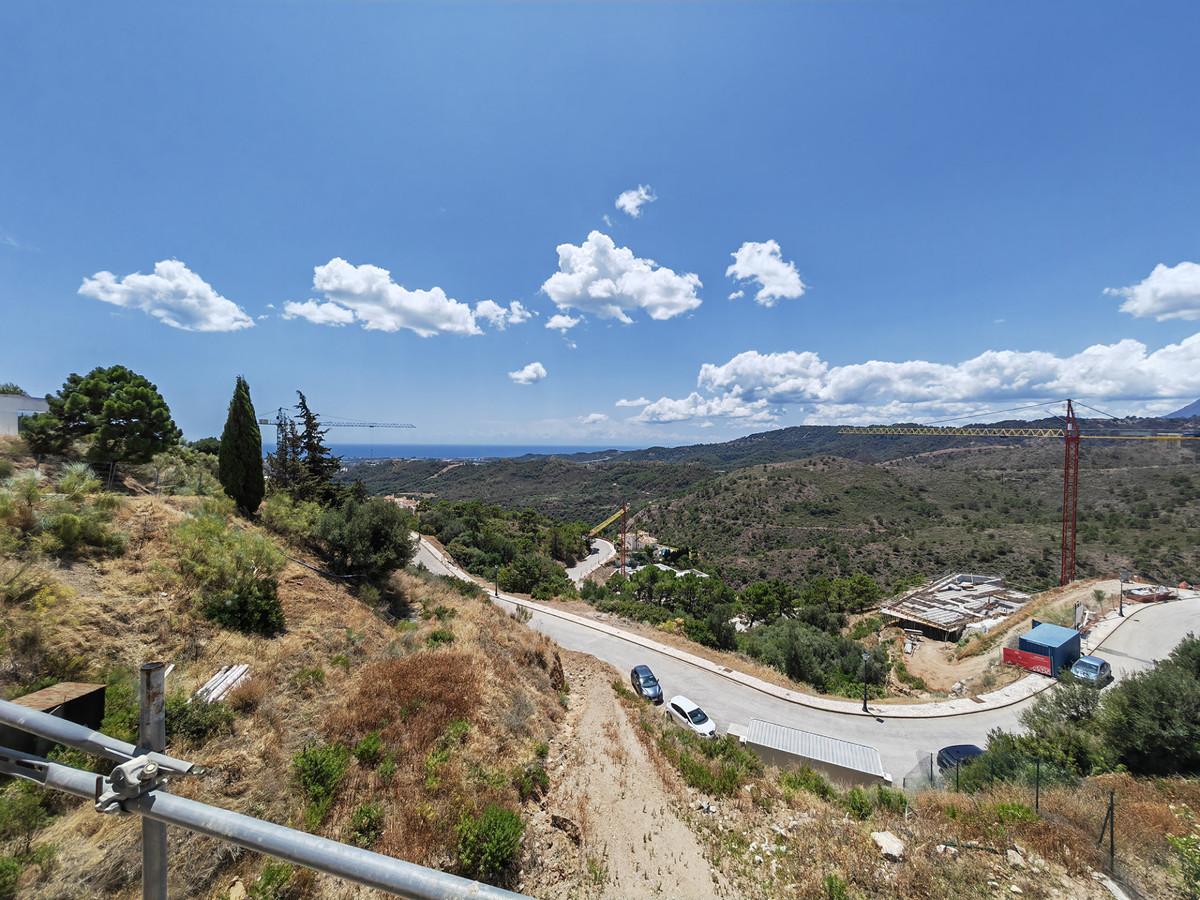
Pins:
x: 273, y: 883
x: 196, y: 721
x: 531, y: 781
x: 440, y: 636
x: 371, y: 539
x: 10, y: 874
x: 6, y: 468
x: 23, y: 813
x: 234, y: 572
x: 858, y: 803
x: 369, y: 750
x: 310, y: 677
x: 294, y: 519
x: 835, y: 888
x: 1013, y: 813
x: 805, y: 779
x: 318, y: 770
x: 387, y: 768
x: 1186, y: 848
x: 890, y: 799
x: 489, y: 843
x: 718, y: 767
x: 455, y: 734
x: 366, y: 825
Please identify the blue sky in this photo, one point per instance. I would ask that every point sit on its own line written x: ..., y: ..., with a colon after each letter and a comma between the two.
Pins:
x: 971, y: 205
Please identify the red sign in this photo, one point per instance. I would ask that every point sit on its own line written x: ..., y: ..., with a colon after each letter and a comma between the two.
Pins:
x: 1034, y: 662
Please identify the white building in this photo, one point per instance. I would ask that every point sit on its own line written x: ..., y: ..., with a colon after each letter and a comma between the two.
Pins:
x: 14, y: 407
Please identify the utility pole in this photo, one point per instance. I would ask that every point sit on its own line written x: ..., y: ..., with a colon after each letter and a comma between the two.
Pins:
x: 1124, y: 576
x: 152, y: 737
x: 866, y: 656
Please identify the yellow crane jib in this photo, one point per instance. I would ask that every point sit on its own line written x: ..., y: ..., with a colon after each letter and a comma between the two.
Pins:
x: 599, y: 528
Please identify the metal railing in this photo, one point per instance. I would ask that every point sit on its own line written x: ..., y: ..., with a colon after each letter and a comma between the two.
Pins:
x: 137, y: 785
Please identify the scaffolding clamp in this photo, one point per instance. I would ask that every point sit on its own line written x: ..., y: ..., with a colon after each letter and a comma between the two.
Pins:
x: 134, y: 778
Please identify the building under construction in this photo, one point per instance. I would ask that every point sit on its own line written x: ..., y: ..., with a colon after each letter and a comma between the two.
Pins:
x: 956, y: 604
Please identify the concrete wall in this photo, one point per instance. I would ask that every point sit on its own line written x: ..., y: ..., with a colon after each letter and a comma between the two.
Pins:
x: 13, y: 407
x: 837, y: 774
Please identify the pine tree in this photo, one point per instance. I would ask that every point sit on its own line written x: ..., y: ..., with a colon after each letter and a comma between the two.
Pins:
x: 283, y: 466
x: 319, y: 465
x: 240, y: 466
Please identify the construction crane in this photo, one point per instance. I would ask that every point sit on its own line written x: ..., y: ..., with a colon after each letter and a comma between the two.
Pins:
x: 623, y: 515
x: 1070, y: 436
x: 337, y: 423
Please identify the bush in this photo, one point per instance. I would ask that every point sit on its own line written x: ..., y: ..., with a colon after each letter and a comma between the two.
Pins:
x: 488, y: 844
x: 439, y: 637
x: 371, y: 538
x: 23, y: 813
x: 531, y: 780
x: 890, y: 799
x: 858, y: 803
x: 234, y: 571
x: 805, y: 779
x: 196, y: 721
x: 366, y: 825
x: 318, y: 769
x: 369, y: 750
x: 294, y: 519
x: 718, y: 767
x: 10, y: 874
x: 273, y: 883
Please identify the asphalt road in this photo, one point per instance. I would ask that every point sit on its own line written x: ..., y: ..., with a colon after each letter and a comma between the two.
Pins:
x: 602, y: 552
x: 1150, y: 634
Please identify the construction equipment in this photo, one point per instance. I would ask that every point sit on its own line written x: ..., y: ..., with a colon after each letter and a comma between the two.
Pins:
x: 337, y: 423
x: 623, y: 515
x: 1070, y: 436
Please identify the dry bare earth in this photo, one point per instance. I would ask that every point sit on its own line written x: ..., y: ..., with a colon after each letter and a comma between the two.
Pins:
x: 632, y: 841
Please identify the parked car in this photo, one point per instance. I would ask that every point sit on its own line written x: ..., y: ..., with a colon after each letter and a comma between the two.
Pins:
x: 1092, y: 670
x: 949, y: 757
x: 692, y: 717
x: 645, y: 684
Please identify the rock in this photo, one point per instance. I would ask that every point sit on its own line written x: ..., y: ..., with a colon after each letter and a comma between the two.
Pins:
x: 1015, y: 859
x: 567, y: 827
x: 890, y: 846
x: 237, y: 890
x: 1014, y: 889
x: 758, y: 860
x: 947, y: 850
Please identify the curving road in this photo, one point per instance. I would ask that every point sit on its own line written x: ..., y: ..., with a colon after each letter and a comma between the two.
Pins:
x: 1148, y: 635
x: 602, y: 552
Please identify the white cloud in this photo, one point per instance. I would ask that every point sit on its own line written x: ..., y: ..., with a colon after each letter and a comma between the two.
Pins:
x: 562, y: 323
x: 174, y: 294
x: 631, y: 202
x: 529, y: 374
x: 737, y: 295
x: 1169, y: 292
x: 318, y: 313
x: 763, y: 262
x: 879, y: 391
x: 595, y: 418
x: 499, y: 317
x: 640, y: 401
x: 366, y: 294
x: 694, y: 406
x: 601, y: 278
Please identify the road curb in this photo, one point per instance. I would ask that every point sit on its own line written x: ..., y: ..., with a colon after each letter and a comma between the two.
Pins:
x: 913, y: 710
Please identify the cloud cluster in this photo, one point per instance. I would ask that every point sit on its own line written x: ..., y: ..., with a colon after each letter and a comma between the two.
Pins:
x: 763, y: 262
x: 499, y: 317
x: 609, y: 281
x: 530, y: 374
x: 631, y: 202
x: 367, y: 295
x: 750, y: 383
x: 562, y: 323
x: 173, y: 294
x: 1169, y: 292
x: 596, y: 418
x: 640, y: 401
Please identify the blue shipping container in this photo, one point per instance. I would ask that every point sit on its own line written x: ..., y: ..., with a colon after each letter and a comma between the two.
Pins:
x: 1058, y: 643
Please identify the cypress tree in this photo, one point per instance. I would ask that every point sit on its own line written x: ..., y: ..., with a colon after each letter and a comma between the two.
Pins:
x: 240, y: 466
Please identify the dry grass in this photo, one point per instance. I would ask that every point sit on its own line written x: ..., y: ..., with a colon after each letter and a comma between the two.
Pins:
x: 114, y: 614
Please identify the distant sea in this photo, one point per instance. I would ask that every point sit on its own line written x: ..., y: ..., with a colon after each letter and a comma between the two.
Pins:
x: 454, y: 451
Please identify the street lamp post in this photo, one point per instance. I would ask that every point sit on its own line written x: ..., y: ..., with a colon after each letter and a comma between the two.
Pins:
x: 496, y: 581
x: 1121, y: 591
x: 866, y: 656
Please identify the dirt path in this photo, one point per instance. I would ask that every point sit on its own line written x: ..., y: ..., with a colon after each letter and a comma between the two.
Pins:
x: 621, y: 836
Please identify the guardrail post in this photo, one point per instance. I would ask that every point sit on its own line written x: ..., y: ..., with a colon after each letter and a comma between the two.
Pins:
x: 152, y: 735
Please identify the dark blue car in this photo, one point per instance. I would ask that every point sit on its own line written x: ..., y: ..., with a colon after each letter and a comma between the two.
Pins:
x: 645, y: 684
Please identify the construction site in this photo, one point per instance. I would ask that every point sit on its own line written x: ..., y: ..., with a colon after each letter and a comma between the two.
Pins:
x: 949, y: 607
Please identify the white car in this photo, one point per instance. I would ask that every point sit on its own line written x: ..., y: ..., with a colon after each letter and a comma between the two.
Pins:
x: 692, y: 717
